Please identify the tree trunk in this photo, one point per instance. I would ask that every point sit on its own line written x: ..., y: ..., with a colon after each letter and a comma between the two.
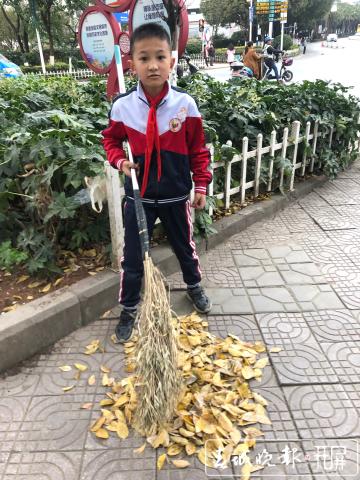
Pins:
x: 26, y: 40
x: 45, y: 14
x: 14, y: 28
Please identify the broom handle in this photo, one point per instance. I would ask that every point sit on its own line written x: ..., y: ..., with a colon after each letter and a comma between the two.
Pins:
x: 139, y: 209
x: 140, y: 216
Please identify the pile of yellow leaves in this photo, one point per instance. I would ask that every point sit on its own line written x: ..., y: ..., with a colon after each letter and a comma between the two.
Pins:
x: 216, y: 411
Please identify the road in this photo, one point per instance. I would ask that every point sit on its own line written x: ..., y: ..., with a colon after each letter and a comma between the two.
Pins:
x: 336, y: 64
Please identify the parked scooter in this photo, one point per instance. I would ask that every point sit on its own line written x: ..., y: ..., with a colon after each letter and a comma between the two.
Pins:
x: 285, y: 74
x: 238, y: 70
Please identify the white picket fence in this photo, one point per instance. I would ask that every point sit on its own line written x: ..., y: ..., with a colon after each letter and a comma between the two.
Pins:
x: 82, y: 73
x: 290, y: 139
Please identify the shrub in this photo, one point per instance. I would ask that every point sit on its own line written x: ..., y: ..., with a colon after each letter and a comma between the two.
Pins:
x: 220, y: 41
x: 193, y: 46
x: 239, y: 38
x: 57, y: 67
x: 288, y: 42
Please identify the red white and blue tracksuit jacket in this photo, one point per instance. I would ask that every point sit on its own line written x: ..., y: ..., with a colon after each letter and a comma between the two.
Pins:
x: 182, y: 144
x: 183, y: 151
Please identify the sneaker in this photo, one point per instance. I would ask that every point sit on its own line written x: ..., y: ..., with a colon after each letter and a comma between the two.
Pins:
x: 200, y: 300
x: 124, y: 329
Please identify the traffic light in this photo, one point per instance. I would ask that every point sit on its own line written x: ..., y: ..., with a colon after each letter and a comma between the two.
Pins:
x: 201, y: 25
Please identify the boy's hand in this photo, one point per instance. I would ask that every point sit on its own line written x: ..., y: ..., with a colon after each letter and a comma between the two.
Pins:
x: 127, y: 166
x: 199, y: 201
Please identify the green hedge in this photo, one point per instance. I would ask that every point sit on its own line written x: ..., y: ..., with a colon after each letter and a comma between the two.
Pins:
x: 50, y: 140
x: 33, y: 58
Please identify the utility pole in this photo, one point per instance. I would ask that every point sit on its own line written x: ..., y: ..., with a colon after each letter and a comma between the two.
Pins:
x: 251, y: 19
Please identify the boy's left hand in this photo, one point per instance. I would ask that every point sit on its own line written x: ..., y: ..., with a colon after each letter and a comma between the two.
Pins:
x: 199, y: 201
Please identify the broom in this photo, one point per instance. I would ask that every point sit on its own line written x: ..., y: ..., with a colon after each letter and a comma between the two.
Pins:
x: 156, y: 350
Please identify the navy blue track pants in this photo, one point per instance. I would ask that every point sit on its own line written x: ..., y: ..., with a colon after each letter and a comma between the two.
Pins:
x: 176, y: 219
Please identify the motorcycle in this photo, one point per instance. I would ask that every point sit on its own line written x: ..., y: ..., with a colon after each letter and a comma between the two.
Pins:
x: 284, y: 74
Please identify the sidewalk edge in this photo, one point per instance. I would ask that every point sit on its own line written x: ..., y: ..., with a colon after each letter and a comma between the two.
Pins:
x: 42, y: 322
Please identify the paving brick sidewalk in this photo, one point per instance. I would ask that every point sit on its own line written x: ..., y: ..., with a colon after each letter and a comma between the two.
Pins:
x: 293, y: 282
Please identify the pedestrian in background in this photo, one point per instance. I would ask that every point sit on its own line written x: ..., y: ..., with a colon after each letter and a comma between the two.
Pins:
x: 303, y: 44
x: 252, y: 59
x: 230, y: 54
x: 206, y: 54
x: 211, y: 52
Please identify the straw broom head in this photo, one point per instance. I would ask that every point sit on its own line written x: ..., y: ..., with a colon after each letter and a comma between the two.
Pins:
x: 156, y: 356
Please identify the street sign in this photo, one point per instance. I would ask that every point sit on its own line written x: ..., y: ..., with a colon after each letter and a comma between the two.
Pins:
x: 251, y: 14
x: 122, y: 17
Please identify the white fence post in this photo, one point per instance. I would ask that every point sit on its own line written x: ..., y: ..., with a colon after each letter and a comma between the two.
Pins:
x: 258, y: 164
x: 283, y: 153
x: 306, y: 142
x: 272, y: 155
x: 315, y: 137
x: 113, y: 193
x: 296, y: 135
x: 227, y: 184
x: 211, y: 186
x: 245, y: 146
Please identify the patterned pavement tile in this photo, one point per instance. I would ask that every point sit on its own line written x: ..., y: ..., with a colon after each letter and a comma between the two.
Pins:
x: 12, y: 413
x: 53, y: 380
x: 3, y: 461
x: 333, y: 222
x: 345, y: 360
x: 244, y: 326
x: 19, y: 383
x: 297, y: 220
x: 349, y: 295
x: 346, y: 238
x: 41, y: 465
x: 334, y: 325
x: 282, y: 328
x: 312, y: 199
x: 195, y: 471
x: 334, y: 196
x: 281, y: 459
x: 329, y: 254
x: 348, y: 275
x: 82, y: 337
x: 324, y: 411
x: 282, y: 426
x: 54, y: 423
x: 301, y: 360
x: 225, y: 276
x: 333, y: 459
x: 347, y: 186
x: 228, y: 301
x: 276, y: 299
x: 119, y: 464
x: 316, y: 297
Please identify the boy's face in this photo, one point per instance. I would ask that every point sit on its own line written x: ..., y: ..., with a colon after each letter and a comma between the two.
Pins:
x: 152, y: 63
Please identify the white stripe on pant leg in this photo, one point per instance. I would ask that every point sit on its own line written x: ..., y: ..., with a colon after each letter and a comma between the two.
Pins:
x: 191, y: 240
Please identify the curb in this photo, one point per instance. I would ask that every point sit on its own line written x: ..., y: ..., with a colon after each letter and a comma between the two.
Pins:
x: 44, y: 321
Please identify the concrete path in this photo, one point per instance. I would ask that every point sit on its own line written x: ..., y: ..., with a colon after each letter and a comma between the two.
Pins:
x: 292, y: 282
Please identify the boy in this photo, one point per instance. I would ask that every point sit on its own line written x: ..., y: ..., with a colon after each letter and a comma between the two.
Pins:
x: 164, y: 130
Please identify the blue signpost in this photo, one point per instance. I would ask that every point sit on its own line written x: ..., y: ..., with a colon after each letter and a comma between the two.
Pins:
x: 122, y: 17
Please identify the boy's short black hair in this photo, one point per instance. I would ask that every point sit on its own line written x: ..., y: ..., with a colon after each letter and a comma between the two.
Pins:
x: 148, y: 30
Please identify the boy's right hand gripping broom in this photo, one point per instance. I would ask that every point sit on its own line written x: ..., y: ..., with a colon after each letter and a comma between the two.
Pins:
x: 156, y: 349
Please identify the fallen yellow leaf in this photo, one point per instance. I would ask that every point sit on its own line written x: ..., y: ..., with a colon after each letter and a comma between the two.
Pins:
x: 91, y: 380
x: 140, y: 449
x: 181, y: 463
x: 161, y: 461
x: 67, y: 389
x: 102, y: 433
x: 65, y: 368
x: 80, y: 367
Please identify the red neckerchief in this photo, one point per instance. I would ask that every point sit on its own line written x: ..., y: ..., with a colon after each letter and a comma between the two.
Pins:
x: 152, y: 137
